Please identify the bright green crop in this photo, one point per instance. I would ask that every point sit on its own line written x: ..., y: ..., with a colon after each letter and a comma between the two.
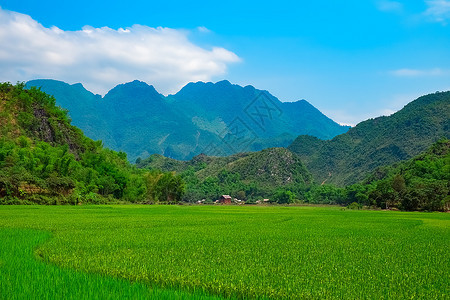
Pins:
x: 243, y: 252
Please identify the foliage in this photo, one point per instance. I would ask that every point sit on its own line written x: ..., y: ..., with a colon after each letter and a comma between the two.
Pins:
x: 418, y: 184
x: 283, y: 197
x: 354, y: 205
x: 164, y: 187
x: 421, y: 183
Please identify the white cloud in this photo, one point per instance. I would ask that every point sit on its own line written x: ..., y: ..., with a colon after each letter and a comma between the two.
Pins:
x: 101, y: 58
x: 203, y: 29
x: 419, y: 73
x: 438, y: 10
x: 389, y: 6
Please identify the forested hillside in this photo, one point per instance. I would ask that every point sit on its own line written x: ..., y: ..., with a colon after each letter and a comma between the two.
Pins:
x: 45, y: 160
x: 350, y: 157
x: 421, y: 183
x: 201, y: 118
x: 246, y: 176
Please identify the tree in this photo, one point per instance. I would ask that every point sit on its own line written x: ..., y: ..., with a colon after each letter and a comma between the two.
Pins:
x: 284, y: 197
x: 171, y: 188
x: 241, y: 195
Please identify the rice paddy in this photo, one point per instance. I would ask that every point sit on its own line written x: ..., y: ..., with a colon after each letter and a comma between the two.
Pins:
x: 202, y: 252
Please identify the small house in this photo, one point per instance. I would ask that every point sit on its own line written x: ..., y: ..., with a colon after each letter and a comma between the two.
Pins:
x: 225, y: 199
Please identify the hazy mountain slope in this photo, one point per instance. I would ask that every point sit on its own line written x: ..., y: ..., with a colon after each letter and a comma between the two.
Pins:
x: 262, y: 112
x: 143, y: 123
x: 350, y: 157
x: 132, y: 117
x: 216, y: 119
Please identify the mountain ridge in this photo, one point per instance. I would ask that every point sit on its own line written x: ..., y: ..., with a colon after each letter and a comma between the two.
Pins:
x: 349, y: 157
x: 135, y: 118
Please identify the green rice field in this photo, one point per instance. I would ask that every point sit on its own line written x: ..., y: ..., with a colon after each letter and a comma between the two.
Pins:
x: 214, y: 252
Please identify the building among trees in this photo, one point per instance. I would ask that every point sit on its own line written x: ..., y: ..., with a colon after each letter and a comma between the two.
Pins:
x: 225, y: 199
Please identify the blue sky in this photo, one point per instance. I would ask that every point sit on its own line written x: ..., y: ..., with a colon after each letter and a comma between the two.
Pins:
x: 351, y: 59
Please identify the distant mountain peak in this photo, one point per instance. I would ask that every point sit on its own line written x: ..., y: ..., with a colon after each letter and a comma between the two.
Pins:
x: 249, y: 87
x: 78, y: 85
x: 200, y: 85
x: 134, y: 88
x: 137, y: 84
x: 223, y: 83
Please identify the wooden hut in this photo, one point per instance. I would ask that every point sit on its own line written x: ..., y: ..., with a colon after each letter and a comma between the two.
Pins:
x: 225, y: 199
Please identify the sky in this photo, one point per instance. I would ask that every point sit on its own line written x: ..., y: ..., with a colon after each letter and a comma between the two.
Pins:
x: 353, y: 59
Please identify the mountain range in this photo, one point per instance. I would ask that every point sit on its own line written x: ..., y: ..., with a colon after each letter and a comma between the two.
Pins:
x: 43, y: 159
x: 351, y: 157
x: 216, y: 119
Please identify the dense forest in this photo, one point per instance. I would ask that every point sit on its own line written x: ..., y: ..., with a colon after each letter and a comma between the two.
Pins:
x: 45, y: 160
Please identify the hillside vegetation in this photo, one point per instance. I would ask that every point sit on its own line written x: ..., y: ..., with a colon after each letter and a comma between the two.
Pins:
x: 246, y: 176
x: 351, y: 157
x: 44, y: 159
x: 421, y: 183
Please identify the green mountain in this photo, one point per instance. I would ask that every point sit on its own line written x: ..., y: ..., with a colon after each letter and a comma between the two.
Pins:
x: 263, y: 113
x: 216, y: 119
x: 249, y: 175
x: 46, y: 160
x: 350, y: 157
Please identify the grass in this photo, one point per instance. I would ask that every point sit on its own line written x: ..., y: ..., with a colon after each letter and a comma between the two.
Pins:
x: 25, y: 277
x: 240, y: 252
